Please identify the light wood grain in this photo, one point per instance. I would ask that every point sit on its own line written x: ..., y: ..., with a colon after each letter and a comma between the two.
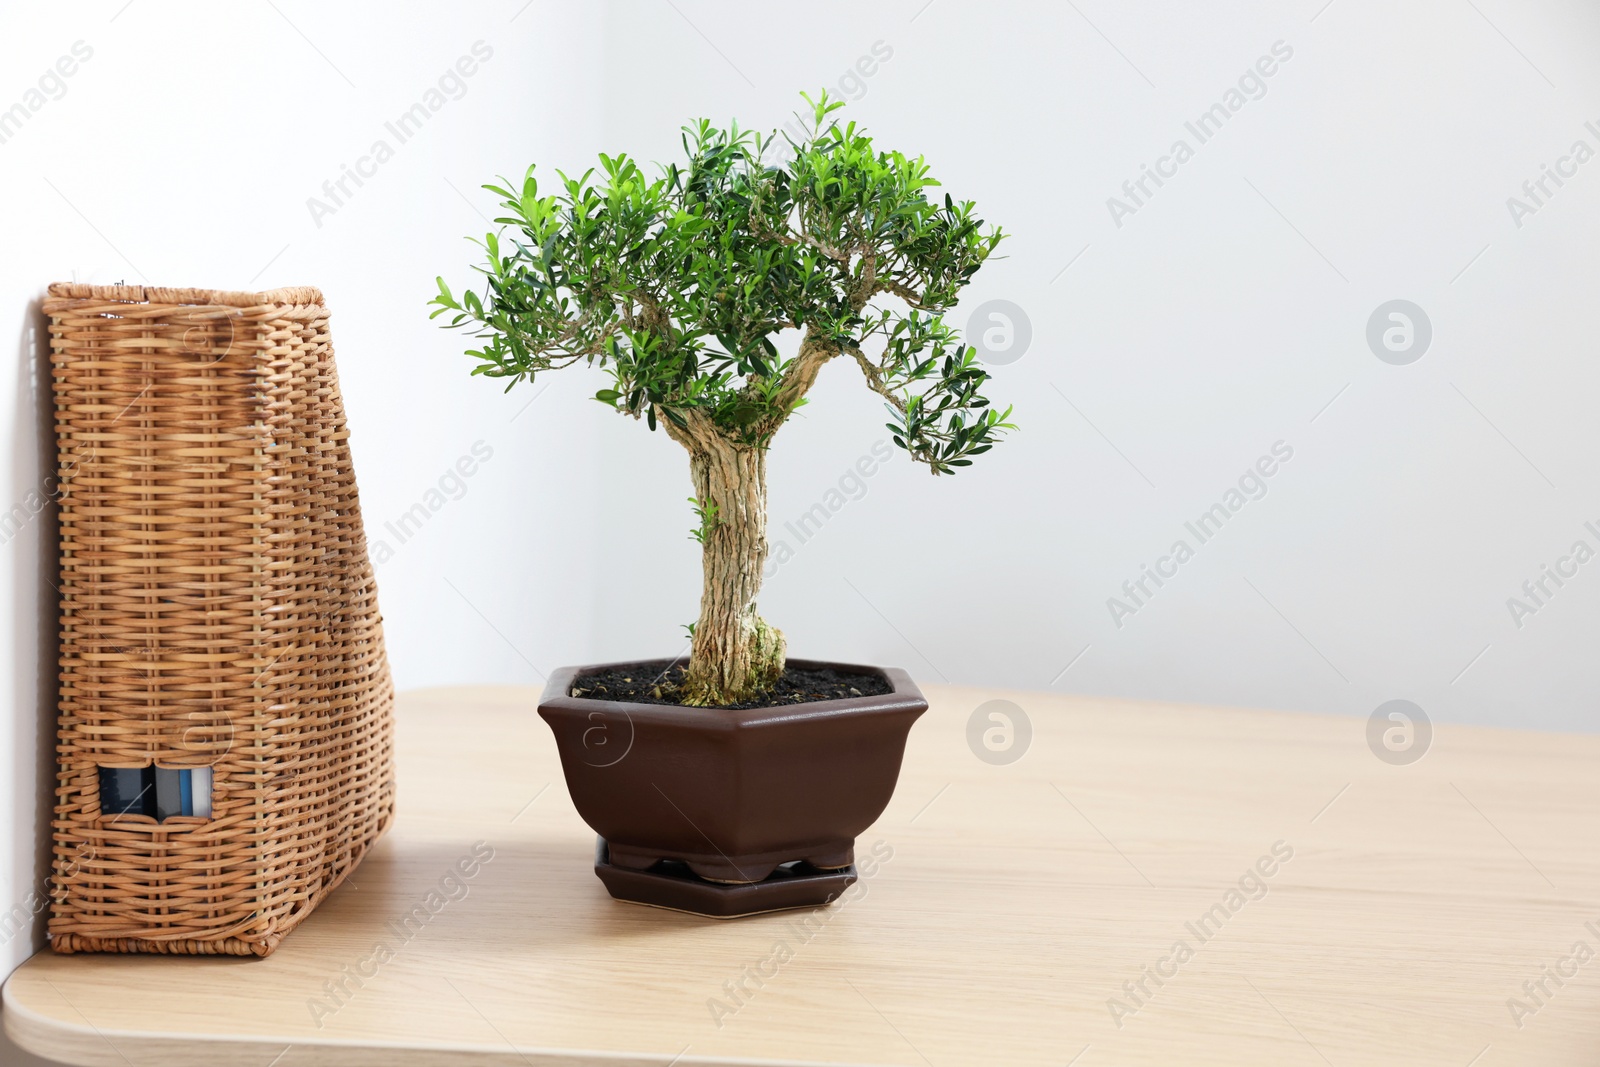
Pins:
x: 1018, y: 900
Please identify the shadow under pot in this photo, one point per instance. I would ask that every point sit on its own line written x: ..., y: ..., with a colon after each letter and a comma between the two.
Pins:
x: 723, y: 811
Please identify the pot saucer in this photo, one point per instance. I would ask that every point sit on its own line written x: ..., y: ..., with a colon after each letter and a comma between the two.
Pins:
x: 673, y: 886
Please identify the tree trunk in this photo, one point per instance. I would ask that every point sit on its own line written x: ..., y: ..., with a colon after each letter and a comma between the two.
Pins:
x: 736, y: 655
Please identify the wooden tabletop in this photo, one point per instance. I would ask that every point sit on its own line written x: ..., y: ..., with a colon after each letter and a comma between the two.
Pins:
x: 1331, y: 908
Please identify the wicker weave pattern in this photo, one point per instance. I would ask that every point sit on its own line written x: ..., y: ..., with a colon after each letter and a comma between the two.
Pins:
x: 217, y: 609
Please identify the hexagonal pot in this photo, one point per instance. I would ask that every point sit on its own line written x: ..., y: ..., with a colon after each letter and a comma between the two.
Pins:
x: 733, y: 794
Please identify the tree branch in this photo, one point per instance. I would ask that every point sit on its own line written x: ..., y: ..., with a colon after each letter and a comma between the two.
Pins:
x: 802, y: 373
x: 698, y: 434
x: 868, y: 286
x: 904, y: 292
x: 875, y: 380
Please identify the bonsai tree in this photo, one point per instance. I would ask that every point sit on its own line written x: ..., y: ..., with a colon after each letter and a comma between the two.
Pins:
x: 680, y: 287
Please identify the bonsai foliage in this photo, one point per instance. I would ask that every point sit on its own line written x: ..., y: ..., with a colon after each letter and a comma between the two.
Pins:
x: 678, y: 287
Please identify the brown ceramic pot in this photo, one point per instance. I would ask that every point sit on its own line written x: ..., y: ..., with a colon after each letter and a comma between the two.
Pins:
x: 732, y: 794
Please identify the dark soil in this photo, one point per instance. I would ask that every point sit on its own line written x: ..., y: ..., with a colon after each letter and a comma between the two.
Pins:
x: 656, y: 683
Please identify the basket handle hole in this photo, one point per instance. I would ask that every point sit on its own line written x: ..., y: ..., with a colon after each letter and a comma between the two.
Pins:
x: 157, y: 793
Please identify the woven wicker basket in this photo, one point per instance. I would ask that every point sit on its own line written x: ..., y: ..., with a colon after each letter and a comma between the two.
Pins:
x: 217, y: 611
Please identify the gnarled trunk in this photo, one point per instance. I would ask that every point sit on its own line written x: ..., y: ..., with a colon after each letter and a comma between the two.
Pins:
x: 736, y: 655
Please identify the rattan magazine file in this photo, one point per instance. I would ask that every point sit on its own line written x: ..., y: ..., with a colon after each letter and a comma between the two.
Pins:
x: 219, y: 622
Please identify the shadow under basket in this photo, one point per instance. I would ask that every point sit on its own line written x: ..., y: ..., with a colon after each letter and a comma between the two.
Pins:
x: 225, y: 743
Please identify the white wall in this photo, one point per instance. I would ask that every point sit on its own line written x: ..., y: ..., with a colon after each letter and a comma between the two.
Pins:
x: 1218, y: 319
x: 183, y: 152
x: 1221, y: 317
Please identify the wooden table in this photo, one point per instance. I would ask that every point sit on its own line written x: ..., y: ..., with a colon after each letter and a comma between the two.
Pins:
x: 1018, y: 901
